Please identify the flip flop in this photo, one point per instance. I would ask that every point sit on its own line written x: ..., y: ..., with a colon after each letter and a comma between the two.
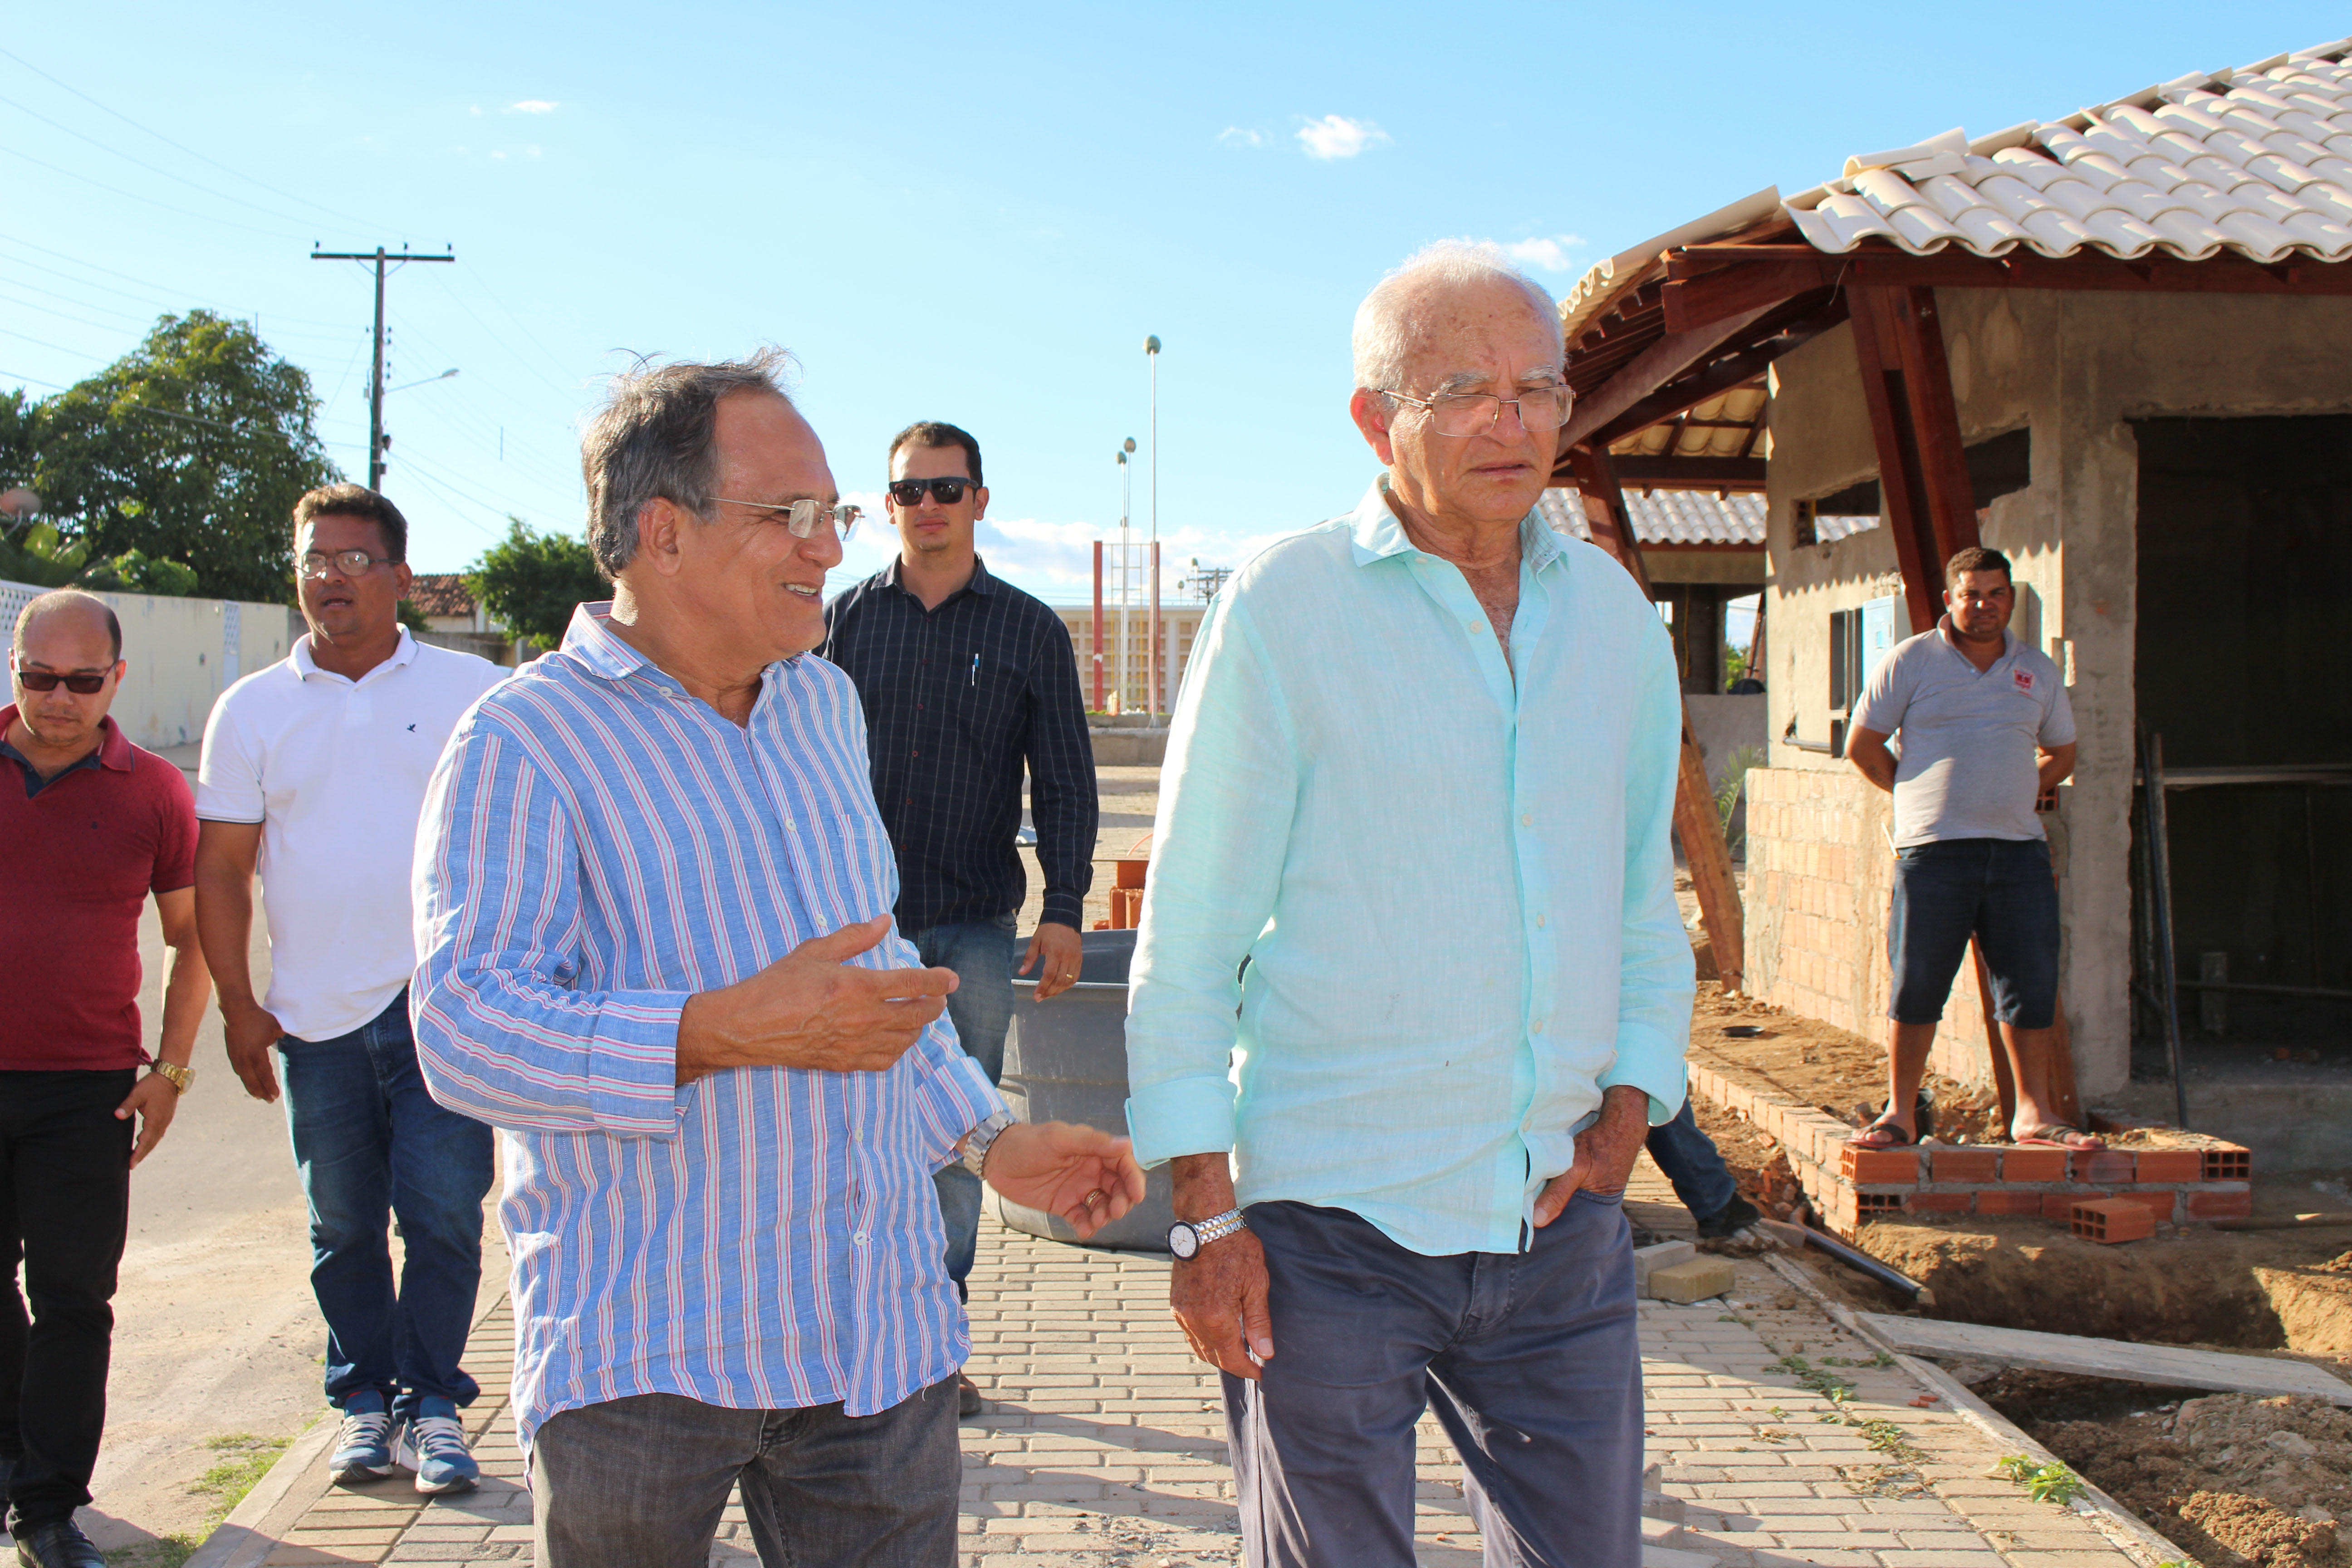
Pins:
x: 2058, y: 1135
x: 1890, y: 1135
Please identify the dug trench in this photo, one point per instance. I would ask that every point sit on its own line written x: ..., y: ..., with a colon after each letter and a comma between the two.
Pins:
x: 2232, y: 1480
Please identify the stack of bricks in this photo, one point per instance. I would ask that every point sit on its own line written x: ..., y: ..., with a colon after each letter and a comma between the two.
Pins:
x: 2203, y: 1179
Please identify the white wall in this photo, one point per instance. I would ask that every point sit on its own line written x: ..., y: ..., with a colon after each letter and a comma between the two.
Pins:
x: 183, y: 654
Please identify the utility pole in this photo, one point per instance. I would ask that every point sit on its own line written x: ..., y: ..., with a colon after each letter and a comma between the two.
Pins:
x: 380, y: 259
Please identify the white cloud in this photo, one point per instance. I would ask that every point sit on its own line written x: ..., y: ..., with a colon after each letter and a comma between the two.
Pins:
x: 1553, y: 253
x: 1234, y: 136
x: 1337, y: 136
x: 532, y: 106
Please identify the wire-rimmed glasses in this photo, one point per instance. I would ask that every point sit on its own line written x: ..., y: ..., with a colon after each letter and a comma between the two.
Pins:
x: 802, y: 517
x: 1463, y: 414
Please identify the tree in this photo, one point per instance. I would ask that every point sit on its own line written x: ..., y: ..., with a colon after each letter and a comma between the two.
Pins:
x: 193, y: 449
x: 533, y: 582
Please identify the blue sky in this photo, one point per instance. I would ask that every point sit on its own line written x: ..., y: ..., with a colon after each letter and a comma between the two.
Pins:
x: 974, y: 213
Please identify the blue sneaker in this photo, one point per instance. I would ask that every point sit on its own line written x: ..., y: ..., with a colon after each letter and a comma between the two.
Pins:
x: 363, y: 1450
x: 433, y: 1442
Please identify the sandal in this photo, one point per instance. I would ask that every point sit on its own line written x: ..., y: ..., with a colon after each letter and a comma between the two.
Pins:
x: 2058, y: 1135
x: 1884, y: 1133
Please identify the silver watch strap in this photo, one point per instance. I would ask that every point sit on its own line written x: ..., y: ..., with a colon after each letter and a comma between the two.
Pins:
x: 1216, y: 1227
x: 977, y: 1141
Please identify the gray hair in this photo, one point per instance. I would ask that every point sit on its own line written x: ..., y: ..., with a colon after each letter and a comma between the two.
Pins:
x: 656, y: 439
x: 1391, y: 320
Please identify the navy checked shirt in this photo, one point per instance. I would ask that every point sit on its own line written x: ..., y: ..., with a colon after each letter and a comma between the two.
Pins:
x: 956, y: 699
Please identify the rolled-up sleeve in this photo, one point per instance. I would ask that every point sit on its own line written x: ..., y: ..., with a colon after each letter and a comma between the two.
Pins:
x: 1230, y: 789
x: 1657, y: 984
x: 504, y: 1033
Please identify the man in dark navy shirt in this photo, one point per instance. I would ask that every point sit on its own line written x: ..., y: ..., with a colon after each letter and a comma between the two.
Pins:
x: 964, y: 680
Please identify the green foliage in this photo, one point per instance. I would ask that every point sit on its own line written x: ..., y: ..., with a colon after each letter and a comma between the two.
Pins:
x: 136, y: 572
x: 533, y: 582
x: 1735, y: 664
x: 1734, y: 780
x: 36, y: 555
x: 2050, y: 1482
x: 411, y: 616
x: 192, y: 448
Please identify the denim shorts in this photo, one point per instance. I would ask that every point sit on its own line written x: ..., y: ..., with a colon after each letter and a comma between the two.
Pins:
x: 1999, y: 890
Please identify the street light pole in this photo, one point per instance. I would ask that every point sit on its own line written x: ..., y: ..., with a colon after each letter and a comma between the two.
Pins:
x: 1152, y: 353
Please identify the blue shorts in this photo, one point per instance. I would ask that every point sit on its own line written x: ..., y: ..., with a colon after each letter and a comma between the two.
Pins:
x: 1999, y: 890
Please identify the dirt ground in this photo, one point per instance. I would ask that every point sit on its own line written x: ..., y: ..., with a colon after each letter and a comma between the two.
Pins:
x: 2231, y: 1478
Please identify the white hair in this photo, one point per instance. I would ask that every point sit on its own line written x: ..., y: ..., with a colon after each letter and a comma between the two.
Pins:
x: 1394, y: 316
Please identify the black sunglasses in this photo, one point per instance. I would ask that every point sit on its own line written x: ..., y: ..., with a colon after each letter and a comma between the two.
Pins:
x: 910, y: 492
x: 47, y: 680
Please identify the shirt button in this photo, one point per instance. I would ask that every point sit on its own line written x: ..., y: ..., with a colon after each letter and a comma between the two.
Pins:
x: 1477, y: 625
x: 1539, y: 920
x: 1536, y: 1027
x: 1527, y: 819
x: 859, y: 1238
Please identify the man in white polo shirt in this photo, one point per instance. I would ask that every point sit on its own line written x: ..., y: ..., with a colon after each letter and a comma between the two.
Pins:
x: 316, y: 770
x: 1985, y: 728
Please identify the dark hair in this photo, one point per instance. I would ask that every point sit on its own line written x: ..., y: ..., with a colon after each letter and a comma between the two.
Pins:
x: 657, y: 438
x: 1976, y: 558
x: 933, y: 433
x: 356, y: 501
x: 57, y: 599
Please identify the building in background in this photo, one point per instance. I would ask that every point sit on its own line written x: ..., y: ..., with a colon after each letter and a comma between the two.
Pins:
x: 455, y: 619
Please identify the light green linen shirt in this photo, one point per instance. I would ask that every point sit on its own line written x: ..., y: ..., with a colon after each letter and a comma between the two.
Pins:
x: 1451, y: 877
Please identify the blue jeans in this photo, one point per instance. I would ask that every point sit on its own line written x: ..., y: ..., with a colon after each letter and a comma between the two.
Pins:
x: 1529, y: 1360
x: 1998, y: 889
x: 371, y: 1142
x: 981, y: 953
x: 1692, y: 1164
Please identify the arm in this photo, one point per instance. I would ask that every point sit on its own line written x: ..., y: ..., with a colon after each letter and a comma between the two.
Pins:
x: 2057, y: 763
x: 1866, y: 749
x: 1230, y: 788
x: 186, y: 987
x: 225, y: 853
x: 1068, y: 809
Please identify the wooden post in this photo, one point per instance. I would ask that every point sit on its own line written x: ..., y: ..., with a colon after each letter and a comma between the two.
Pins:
x: 1695, y: 821
x: 1900, y: 482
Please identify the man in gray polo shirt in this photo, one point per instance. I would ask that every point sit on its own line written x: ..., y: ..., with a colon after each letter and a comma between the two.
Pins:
x: 1985, y: 727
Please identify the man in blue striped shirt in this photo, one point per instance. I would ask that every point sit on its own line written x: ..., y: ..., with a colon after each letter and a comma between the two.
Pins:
x: 652, y: 918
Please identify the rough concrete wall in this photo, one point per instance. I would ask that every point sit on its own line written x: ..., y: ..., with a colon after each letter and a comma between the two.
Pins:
x: 1818, y: 878
x: 2077, y: 367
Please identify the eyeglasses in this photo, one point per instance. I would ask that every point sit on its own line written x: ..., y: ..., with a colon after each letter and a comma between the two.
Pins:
x: 910, y: 492
x: 350, y: 563
x: 48, y: 680
x: 1540, y: 408
x: 801, y: 517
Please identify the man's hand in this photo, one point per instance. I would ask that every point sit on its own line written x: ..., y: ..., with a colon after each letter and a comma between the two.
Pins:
x: 1605, y: 1152
x: 1063, y: 953
x: 1088, y: 1178
x: 252, y: 1032
x: 812, y: 1008
x: 154, y: 1101
x: 1218, y: 1294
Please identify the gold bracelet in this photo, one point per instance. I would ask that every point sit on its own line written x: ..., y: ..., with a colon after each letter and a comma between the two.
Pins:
x: 181, y: 1078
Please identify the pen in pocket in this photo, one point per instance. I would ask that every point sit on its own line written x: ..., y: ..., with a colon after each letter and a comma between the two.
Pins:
x: 975, y: 671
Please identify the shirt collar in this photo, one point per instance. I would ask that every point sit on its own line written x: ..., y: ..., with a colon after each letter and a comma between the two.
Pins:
x: 591, y: 639
x: 1377, y: 533
x: 2008, y: 642
x: 305, y: 666
x: 982, y: 582
x: 113, y: 752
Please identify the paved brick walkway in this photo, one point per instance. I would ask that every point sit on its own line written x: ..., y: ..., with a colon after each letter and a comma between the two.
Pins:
x: 1103, y: 1444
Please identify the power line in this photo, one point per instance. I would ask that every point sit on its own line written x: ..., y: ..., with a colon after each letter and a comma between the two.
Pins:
x: 133, y: 196
x: 148, y: 284
x: 380, y: 257
x: 176, y: 147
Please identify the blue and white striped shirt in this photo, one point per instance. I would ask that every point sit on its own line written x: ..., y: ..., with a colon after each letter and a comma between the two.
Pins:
x: 597, y: 847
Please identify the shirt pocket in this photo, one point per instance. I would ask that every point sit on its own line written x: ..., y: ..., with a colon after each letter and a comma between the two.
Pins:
x: 989, y: 698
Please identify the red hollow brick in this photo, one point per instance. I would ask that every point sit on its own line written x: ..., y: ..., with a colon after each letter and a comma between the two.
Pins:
x: 1942, y: 1203
x: 2035, y: 1165
x: 2105, y: 1165
x: 1878, y: 1165
x: 2060, y: 1206
x: 2162, y: 1202
x: 2112, y: 1220
x: 2171, y: 1165
x: 2222, y: 1206
x: 1965, y: 1165
x: 2227, y: 1163
x: 2008, y: 1200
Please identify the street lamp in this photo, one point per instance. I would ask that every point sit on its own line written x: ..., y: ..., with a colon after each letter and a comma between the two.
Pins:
x: 427, y: 380
x: 1152, y: 353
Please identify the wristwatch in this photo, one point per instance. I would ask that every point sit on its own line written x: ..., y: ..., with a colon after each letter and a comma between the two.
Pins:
x: 182, y: 1080
x: 976, y: 1142
x: 1185, y: 1238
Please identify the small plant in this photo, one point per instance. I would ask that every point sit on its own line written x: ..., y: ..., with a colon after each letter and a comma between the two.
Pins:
x: 1734, y: 780
x: 2050, y: 1482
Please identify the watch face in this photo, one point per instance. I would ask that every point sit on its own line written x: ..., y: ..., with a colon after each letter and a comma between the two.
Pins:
x: 1182, y: 1239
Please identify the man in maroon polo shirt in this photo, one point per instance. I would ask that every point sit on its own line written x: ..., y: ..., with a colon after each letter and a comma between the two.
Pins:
x: 89, y: 825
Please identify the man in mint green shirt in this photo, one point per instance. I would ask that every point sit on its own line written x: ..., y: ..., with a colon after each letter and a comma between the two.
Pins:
x: 1421, y: 776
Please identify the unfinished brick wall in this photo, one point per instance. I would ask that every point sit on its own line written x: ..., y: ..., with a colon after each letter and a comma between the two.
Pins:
x: 1821, y: 864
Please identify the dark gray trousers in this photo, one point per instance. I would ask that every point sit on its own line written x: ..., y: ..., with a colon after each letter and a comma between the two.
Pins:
x: 641, y: 1482
x: 1530, y: 1359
